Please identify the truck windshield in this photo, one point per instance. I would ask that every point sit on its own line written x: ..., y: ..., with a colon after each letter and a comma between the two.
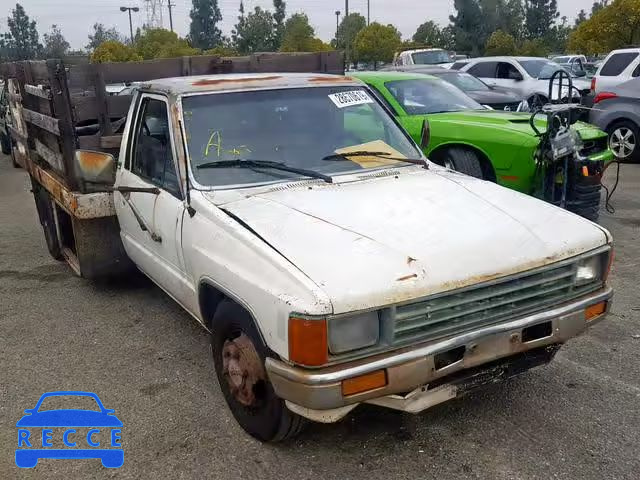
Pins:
x: 431, y: 57
x: 294, y: 127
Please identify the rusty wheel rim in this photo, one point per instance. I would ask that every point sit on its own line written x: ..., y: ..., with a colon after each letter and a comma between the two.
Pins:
x: 243, y: 371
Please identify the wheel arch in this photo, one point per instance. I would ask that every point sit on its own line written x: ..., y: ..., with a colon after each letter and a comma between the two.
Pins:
x: 488, y: 171
x: 211, y: 295
x: 620, y: 119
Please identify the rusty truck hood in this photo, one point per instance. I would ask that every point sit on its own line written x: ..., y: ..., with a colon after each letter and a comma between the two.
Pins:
x: 386, y: 240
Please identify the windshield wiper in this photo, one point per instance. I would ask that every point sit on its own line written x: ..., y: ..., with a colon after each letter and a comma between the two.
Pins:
x: 266, y: 164
x: 386, y: 155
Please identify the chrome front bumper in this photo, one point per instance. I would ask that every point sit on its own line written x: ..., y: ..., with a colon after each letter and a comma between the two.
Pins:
x: 310, y: 392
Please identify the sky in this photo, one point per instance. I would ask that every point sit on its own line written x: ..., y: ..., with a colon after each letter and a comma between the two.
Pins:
x: 76, y: 17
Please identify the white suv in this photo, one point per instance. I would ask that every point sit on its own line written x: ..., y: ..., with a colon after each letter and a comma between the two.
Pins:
x: 619, y: 66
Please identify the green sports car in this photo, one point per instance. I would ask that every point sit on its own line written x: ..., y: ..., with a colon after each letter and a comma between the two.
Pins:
x: 465, y: 136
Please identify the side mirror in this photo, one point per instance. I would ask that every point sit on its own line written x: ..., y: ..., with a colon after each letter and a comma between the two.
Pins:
x: 518, y: 78
x: 425, y: 134
x: 95, y: 167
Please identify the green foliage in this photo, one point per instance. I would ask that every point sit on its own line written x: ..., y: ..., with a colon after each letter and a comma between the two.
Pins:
x: 500, y: 43
x: 114, y: 51
x: 467, y: 25
x: 279, y: 14
x: 203, y: 31
x: 612, y: 26
x: 55, y: 45
x: 348, y: 29
x: 255, y: 32
x: 377, y: 43
x: 533, y: 48
x: 299, y: 36
x: 429, y: 33
x: 22, y: 41
x: 161, y: 43
x: 224, y: 50
x: 540, y: 16
x: 101, y: 35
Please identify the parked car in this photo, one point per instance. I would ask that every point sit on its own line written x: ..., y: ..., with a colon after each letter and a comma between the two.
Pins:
x: 498, y: 98
x: 333, y: 264
x: 465, y: 136
x: 618, y: 67
x: 529, y: 76
x: 617, y: 111
x: 422, y: 56
x: 5, y: 138
x: 570, y: 59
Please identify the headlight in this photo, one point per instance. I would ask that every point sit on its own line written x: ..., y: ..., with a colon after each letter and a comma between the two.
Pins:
x: 592, y: 269
x: 353, y: 332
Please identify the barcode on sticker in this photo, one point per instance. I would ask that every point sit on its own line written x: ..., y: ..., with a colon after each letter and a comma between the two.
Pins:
x: 348, y: 99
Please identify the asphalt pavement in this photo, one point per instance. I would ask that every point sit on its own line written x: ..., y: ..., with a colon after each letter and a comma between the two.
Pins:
x: 577, y: 418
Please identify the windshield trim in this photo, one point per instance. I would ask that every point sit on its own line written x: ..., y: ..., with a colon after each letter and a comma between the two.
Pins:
x: 195, y: 185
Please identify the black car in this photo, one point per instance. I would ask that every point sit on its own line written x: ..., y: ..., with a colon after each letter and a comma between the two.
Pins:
x: 497, y: 98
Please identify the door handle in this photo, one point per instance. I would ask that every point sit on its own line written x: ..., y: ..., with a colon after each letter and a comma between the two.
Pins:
x: 143, y: 225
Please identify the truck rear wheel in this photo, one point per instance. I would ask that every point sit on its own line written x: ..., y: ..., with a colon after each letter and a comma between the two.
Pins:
x: 47, y: 219
x: 239, y: 355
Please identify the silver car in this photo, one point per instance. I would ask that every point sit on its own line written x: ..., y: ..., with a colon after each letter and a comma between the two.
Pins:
x: 529, y: 76
x: 617, y: 111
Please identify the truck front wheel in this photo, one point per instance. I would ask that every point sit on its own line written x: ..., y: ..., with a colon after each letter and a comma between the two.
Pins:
x: 239, y: 356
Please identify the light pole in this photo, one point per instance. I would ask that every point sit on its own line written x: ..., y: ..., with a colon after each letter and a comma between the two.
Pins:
x: 170, y: 5
x: 337, y: 24
x: 130, y: 9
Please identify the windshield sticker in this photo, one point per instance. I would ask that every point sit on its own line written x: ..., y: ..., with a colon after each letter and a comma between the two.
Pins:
x: 351, y: 98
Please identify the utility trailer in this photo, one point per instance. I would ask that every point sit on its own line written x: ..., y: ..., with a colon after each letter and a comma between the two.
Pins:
x: 59, y: 108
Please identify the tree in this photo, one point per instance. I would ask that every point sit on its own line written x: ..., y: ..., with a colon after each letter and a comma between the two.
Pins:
x: 467, y: 26
x: 610, y: 27
x: 533, y: 48
x: 279, y: 15
x: 428, y: 33
x: 203, y: 31
x: 500, y: 43
x: 22, y: 41
x: 581, y: 17
x: 55, y: 45
x: 114, y: 51
x: 255, y: 32
x: 161, y: 43
x: 377, y: 43
x: 598, y: 5
x: 347, y: 32
x: 540, y: 17
x: 101, y: 35
x: 299, y: 36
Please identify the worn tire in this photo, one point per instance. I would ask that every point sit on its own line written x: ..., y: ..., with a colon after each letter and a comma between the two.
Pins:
x: 269, y: 420
x: 5, y: 144
x: 464, y: 161
x: 46, y: 215
x: 626, y: 125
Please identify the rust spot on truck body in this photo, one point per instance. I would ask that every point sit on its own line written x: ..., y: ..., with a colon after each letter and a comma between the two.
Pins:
x: 92, y: 161
x: 205, y: 82
x: 329, y: 79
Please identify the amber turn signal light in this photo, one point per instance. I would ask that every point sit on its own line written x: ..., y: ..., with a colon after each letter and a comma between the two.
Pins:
x: 308, y: 341
x: 364, y: 383
x: 595, y: 310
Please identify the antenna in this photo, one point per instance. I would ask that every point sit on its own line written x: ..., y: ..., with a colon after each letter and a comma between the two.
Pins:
x: 154, y: 13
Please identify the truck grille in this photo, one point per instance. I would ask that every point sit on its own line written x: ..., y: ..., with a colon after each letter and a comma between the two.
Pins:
x: 456, y: 312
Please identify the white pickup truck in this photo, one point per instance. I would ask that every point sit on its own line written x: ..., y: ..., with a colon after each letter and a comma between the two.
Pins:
x: 332, y: 263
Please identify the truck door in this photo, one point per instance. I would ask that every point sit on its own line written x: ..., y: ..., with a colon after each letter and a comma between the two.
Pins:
x: 151, y: 225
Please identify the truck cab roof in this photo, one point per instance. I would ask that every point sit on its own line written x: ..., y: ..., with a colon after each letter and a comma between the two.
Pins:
x: 244, y: 81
